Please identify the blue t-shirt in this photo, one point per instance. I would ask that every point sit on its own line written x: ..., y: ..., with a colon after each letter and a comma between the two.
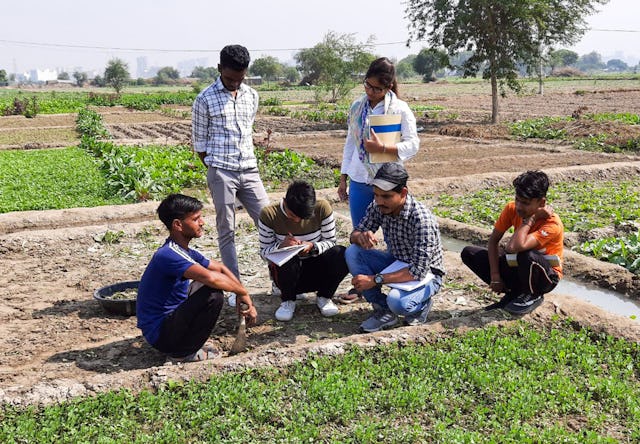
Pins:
x: 163, y: 286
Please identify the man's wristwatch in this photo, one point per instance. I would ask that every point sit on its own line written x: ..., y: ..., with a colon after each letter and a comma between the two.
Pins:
x: 378, y: 279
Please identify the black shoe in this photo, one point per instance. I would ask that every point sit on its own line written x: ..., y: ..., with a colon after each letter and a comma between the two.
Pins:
x: 508, y: 297
x: 524, y: 303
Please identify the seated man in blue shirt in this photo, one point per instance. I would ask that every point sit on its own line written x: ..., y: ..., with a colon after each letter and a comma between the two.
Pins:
x: 180, y: 293
x: 412, y: 236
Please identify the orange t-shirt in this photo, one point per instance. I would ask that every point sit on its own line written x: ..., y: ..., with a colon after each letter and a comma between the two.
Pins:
x: 548, y: 232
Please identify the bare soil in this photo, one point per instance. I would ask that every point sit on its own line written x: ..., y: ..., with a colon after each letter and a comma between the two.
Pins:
x: 57, y: 342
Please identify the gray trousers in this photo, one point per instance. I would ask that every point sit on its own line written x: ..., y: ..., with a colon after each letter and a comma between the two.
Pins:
x: 225, y: 187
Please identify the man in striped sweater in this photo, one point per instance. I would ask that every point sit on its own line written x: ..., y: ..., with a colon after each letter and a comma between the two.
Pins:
x: 301, y: 220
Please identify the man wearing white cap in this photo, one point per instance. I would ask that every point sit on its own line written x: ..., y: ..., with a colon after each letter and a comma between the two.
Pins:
x: 412, y: 265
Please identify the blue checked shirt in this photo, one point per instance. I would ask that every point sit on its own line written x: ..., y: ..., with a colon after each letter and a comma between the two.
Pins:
x: 222, y: 126
x: 412, y: 237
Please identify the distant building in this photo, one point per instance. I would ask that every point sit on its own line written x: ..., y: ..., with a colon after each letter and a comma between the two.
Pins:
x: 142, y: 67
x: 42, y: 75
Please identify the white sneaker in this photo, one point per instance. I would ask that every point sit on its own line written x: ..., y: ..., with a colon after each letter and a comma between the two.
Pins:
x: 327, y: 307
x: 286, y: 310
x: 232, y: 300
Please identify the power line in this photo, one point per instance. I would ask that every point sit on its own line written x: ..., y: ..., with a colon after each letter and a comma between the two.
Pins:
x: 116, y: 48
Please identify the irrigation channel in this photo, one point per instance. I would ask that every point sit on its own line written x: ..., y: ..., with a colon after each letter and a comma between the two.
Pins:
x: 608, y: 300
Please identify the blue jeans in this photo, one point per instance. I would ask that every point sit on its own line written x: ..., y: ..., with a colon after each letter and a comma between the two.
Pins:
x: 360, y: 196
x: 401, y: 302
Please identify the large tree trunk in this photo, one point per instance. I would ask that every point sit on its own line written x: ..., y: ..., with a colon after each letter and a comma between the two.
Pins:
x: 494, y: 98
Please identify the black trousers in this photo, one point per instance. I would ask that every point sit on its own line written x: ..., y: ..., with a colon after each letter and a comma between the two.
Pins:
x: 533, y: 274
x: 185, y: 330
x: 321, y: 273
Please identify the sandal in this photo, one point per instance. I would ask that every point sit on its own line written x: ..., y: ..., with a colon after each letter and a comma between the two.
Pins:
x: 203, y: 354
x: 349, y: 298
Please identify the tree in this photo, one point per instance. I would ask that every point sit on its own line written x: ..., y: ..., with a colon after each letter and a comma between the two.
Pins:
x: 81, y: 78
x: 269, y: 68
x: 428, y: 61
x: 404, y: 68
x: 617, y: 65
x: 116, y: 74
x: 590, y: 62
x: 562, y: 57
x: 63, y: 76
x: 334, y: 63
x: 501, y: 33
x: 291, y: 74
x: 3, y: 78
x: 166, y: 76
x: 202, y: 73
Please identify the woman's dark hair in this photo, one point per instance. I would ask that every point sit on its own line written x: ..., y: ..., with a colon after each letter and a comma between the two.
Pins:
x: 235, y: 57
x: 177, y: 206
x: 385, y: 71
x: 301, y: 199
x: 531, y: 185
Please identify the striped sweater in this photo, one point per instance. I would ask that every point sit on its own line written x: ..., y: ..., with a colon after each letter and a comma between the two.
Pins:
x: 274, y: 225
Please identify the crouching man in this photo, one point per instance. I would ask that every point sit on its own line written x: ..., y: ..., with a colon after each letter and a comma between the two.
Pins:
x: 180, y: 294
x: 531, y: 264
x: 413, y: 238
x: 307, y: 224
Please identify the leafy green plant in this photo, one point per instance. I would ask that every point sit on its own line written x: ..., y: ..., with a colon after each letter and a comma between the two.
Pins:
x: 271, y: 101
x: 109, y: 237
x: 276, y: 111
x: 539, y: 128
x: 280, y: 167
x: 623, y: 251
x: 89, y: 123
x: 150, y: 172
x: 628, y: 118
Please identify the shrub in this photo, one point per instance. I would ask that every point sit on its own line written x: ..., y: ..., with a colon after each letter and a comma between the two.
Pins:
x: 89, y: 124
x: 567, y: 71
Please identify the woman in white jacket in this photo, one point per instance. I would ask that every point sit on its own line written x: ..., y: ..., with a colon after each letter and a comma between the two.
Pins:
x: 381, y: 89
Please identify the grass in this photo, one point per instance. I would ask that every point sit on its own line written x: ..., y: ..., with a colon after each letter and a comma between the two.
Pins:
x: 51, y: 179
x: 510, y: 384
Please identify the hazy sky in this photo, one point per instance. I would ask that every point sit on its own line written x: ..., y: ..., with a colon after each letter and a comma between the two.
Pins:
x: 167, y: 31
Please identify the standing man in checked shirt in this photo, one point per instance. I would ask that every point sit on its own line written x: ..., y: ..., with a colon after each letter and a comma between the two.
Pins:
x: 413, y: 237
x: 222, y: 132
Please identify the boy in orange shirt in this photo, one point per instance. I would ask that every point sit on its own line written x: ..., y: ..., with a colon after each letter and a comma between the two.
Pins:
x: 537, y: 243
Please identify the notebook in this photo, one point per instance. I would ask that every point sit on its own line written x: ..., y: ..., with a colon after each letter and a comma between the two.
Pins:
x: 388, y: 129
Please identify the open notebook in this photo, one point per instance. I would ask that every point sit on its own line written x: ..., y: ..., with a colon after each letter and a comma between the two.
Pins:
x: 284, y: 254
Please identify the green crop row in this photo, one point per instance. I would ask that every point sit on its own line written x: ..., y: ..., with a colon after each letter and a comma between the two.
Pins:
x: 55, y: 102
x: 556, y: 128
x: 582, y: 206
x: 508, y: 384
